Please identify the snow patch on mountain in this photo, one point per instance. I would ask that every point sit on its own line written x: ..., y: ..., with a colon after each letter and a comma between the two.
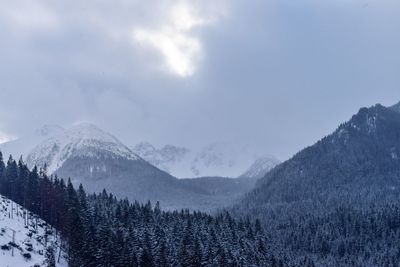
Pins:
x: 81, y: 140
x: 260, y: 167
x: 24, y: 237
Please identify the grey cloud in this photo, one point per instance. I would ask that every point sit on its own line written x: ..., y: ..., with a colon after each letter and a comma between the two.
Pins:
x: 276, y: 75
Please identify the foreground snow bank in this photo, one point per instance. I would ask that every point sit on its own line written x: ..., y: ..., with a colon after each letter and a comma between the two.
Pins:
x: 24, y: 237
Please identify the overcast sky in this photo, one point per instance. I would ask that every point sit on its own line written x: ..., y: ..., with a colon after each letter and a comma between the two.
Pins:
x: 275, y: 75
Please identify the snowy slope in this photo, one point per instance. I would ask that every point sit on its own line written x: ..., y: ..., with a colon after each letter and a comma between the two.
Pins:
x: 217, y: 159
x: 24, y: 145
x: 82, y: 140
x: 29, y: 238
x: 260, y: 167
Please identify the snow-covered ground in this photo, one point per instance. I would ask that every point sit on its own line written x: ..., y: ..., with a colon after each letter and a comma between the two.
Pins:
x: 24, y: 237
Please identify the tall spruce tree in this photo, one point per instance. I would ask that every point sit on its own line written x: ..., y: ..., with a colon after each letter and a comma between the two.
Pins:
x: 3, y: 180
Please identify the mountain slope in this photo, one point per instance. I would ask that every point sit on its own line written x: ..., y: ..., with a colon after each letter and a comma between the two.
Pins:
x: 337, y: 201
x: 359, y: 152
x: 260, y: 167
x: 30, y: 239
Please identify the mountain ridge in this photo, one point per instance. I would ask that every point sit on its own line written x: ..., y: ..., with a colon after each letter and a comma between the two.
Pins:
x: 328, y: 201
x: 365, y: 124
x: 212, y: 160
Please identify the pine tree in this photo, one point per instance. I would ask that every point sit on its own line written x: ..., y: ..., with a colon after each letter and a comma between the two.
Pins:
x: 32, y: 193
x: 2, y: 175
x: 50, y: 258
x: 197, y: 254
x: 73, y: 226
x: 12, y: 177
x: 23, y: 175
x: 146, y: 259
x: 105, y: 247
x: 162, y: 259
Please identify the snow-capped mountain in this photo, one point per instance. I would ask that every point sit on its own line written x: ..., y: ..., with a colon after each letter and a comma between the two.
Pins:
x: 24, y: 238
x: 217, y: 159
x: 260, y: 167
x: 98, y: 160
x: 24, y: 145
x: 82, y: 140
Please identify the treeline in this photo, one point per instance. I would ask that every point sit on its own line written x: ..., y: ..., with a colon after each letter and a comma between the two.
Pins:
x: 99, y: 230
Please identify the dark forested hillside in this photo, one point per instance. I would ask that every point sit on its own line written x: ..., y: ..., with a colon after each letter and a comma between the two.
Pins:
x: 337, y: 201
x: 100, y: 230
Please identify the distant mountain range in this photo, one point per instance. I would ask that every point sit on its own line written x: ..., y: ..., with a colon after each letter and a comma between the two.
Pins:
x: 217, y: 159
x: 98, y: 160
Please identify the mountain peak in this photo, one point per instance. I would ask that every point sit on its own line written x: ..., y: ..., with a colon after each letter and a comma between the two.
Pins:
x: 80, y: 140
x: 367, y: 120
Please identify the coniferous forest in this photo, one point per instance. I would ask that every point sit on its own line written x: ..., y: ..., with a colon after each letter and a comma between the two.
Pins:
x: 100, y: 230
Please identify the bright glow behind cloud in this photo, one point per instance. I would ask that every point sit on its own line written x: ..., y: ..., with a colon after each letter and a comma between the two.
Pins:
x: 4, y: 138
x: 175, y: 41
